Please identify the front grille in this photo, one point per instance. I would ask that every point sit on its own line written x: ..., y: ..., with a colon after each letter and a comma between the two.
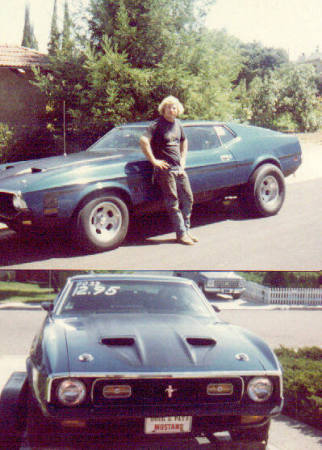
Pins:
x: 167, y: 392
x: 6, y: 205
x: 227, y: 284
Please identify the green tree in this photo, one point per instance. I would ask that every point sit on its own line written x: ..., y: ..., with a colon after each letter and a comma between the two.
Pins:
x: 54, y: 38
x: 66, y: 42
x: 298, y: 96
x: 115, y: 86
x: 6, y: 141
x: 28, y: 38
x: 258, y: 61
x: 146, y: 30
x: 284, y: 98
x: 65, y: 81
x: 125, y: 74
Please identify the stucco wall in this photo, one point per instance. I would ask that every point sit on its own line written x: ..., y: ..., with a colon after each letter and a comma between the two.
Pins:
x: 22, y: 105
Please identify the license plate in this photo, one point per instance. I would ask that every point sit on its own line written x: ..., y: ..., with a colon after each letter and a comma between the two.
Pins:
x: 167, y: 425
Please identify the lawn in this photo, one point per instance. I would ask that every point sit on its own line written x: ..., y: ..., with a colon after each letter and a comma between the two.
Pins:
x: 24, y: 292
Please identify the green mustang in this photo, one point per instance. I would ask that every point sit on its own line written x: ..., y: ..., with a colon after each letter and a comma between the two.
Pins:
x: 96, y: 192
x: 145, y: 356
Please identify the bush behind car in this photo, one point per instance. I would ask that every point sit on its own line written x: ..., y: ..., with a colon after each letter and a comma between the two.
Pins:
x: 302, y: 383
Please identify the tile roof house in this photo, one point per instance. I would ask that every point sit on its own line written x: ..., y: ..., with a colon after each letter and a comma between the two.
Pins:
x: 21, y: 57
x: 23, y: 106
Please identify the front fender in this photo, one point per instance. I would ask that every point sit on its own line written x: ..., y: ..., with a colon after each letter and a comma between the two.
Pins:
x: 62, y: 202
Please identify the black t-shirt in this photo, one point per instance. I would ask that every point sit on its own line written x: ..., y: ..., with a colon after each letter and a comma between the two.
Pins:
x: 165, y: 140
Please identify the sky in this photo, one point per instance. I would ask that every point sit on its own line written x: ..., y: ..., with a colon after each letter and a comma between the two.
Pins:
x: 294, y: 25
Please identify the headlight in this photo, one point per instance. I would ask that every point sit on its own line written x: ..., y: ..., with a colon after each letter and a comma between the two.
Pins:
x: 260, y: 389
x: 18, y: 202
x: 71, y: 392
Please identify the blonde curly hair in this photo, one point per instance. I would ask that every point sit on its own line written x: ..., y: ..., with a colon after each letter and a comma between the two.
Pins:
x: 170, y: 100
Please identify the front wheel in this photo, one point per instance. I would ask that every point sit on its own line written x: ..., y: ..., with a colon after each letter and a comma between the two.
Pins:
x: 102, y: 224
x: 265, y: 192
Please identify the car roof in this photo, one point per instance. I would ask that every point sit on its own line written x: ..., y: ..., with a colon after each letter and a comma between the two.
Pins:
x: 130, y: 277
x: 184, y: 122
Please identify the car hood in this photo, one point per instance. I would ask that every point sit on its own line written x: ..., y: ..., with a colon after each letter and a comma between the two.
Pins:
x: 26, y: 175
x: 119, y: 343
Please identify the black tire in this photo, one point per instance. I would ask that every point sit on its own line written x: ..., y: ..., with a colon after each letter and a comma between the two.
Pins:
x: 258, y: 434
x: 13, y: 411
x: 102, y: 223
x: 10, y: 431
x: 265, y: 193
x: 236, y: 296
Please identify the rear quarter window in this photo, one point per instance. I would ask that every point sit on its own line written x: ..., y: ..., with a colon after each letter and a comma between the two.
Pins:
x: 224, y: 133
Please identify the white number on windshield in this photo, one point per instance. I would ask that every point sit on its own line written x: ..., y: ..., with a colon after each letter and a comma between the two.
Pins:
x: 93, y: 288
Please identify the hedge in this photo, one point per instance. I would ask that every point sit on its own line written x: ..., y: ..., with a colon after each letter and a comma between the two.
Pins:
x: 302, y: 370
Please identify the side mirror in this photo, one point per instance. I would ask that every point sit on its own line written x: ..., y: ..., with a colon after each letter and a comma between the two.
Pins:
x: 215, y: 307
x: 47, y: 306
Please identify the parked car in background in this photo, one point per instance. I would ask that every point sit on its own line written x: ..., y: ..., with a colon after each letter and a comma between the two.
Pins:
x: 220, y: 282
x: 215, y: 282
x: 146, y: 356
x: 93, y: 194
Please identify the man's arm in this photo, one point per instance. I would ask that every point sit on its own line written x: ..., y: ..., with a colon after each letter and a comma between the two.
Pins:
x: 183, y: 152
x: 147, y: 150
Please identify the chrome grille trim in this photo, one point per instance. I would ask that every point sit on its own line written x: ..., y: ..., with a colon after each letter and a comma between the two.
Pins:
x: 153, y: 375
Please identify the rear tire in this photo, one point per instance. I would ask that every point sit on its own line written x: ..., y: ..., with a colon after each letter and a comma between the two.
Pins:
x: 102, y: 224
x: 265, y: 192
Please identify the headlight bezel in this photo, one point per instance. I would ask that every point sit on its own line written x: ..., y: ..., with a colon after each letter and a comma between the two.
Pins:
x: 257, y: 387
x: 65, y: 386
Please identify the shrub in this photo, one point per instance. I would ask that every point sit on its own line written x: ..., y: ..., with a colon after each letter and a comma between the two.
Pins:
x: 6, y: 141
x: 302, y: 383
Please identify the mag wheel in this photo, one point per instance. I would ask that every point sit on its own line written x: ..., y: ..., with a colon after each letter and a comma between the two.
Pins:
x: 265, y: 192
x: 102, y: 223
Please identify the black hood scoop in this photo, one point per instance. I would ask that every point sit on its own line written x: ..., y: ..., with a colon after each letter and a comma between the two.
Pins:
x: 201, y: 341
x: 118, y: 341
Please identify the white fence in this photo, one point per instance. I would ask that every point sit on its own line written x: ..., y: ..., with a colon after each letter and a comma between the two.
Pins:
x: 283, y: 296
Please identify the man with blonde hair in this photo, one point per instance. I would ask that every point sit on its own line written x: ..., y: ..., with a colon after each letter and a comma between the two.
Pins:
x: 165, y: 146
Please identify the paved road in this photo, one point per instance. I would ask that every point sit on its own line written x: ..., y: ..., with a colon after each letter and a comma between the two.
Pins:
x: 290, y: 240
x: 228, y: 239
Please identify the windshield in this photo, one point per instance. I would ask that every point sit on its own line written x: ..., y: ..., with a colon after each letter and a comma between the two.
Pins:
x: 124, y: 296
x: 119, y: 138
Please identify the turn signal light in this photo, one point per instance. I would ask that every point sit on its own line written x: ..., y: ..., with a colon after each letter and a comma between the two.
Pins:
x: 220, y: 389
x: 73, y: 423
x: 251, y: 419
x: 117, y: 391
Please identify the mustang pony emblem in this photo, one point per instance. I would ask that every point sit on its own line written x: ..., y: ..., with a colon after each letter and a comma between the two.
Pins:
x: 170, y: 390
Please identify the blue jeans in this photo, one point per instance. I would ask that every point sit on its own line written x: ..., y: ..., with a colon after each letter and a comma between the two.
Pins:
x: 177, y: 196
